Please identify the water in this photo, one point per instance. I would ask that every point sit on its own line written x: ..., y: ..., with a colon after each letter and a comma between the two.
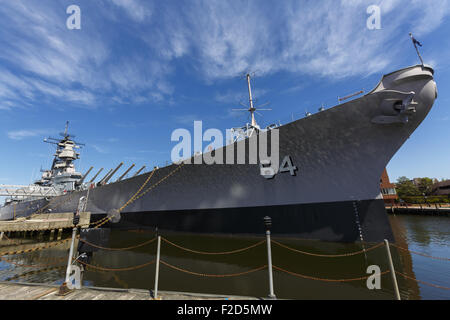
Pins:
x: 429, y: 235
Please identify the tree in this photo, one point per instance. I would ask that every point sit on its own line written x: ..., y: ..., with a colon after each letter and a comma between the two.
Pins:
x: 425, y: 185
x: 406, y: 188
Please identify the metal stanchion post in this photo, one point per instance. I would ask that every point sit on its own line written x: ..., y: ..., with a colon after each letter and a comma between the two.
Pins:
x: 268, y: 223
x: 158, y: 250
x: 391, y: 268
x: 63, y: 289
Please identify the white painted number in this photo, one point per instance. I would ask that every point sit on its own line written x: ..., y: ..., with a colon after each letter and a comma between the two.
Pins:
x: 268, y: 172
x: 287, y: 166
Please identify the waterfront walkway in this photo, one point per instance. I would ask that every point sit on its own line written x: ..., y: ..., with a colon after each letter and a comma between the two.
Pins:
x: 34, y: 291
x: 419, y: 209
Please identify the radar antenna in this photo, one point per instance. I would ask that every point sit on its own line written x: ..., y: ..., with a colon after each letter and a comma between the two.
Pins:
x: 252, y: 109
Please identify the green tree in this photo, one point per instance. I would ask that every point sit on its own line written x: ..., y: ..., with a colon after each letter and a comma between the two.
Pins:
x: 425, y: 185
x: 406, y: 188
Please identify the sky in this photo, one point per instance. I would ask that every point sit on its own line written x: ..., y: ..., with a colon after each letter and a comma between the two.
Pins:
x: 137, y: 70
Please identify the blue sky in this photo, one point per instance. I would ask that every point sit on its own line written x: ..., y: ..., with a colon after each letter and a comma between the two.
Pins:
x: 137, y: 70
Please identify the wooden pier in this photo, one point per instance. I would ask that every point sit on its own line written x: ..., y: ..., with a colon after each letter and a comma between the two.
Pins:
x: 47, y: 221
x: 420, y: 209
x: 35, y: 291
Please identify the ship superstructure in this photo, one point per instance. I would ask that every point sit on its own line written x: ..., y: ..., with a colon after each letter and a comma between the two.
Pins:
x: 61, y: 178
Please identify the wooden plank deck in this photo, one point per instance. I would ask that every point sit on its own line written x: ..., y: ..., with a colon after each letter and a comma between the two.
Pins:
x: 51, y: 221
x: 35, y: 291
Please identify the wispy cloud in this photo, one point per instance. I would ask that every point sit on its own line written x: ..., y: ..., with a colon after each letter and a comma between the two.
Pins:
x: 136, y: 9
x: 106, y: 62
x: 99, y: 149
x: 23, y: 134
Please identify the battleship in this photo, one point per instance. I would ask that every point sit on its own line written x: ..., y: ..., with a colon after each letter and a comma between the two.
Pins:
x: 330, y: 190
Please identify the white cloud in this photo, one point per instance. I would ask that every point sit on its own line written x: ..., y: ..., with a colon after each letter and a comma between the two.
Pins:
x: 22, y: 134
x: 99, y: 149
x: 135, y: 9
x: 42, y: 60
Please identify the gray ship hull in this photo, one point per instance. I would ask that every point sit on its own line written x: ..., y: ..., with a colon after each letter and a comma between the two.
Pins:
x: 340, y: 154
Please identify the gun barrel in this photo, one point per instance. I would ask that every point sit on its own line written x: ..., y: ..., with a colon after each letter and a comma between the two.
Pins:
x: 101, y: 181
x: 139, y: 171
x: 113, y: 173
x: 92, y: 180
x: 85, y: 175
x: 125, y: 173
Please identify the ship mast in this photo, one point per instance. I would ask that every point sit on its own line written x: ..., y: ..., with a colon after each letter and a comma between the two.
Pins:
x: 251, y: 109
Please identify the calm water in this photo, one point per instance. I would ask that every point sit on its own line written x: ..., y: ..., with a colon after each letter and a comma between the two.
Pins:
x: 429, y: 235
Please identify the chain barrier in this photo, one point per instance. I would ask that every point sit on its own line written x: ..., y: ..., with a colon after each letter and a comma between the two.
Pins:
x: 420, y: 281
x: 328, y: 255
x: 137, y: 195
x: 132, y: 199
x: 49, y: 245
x: 213, y: 275
x: 160, y: 181
x: 213, y: 253
x: 420, y: 254
x: 116, y: 269
x: 33, y: 266
x: 70, y: 196
x: 15, y: 277
x: 324, y: 279
x: 118, y: 249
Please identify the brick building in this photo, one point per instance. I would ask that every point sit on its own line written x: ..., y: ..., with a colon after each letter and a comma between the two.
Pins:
x: 387, y: 188
x: 441, y: 188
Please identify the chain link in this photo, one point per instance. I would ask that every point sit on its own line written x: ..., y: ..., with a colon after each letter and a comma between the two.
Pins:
x: 212, y: 275
x: 52, y: 244
x: 34, y: 272
x: 328, y: 255
x: 213, y: 253
x: 117, y: 269
x: 419, y: 253
x: 132, y: 199
x: 160, y: 181
x: 324, y: 279
x: 137, y: 195
x: 33, y: 266
x: 119, y: 249
x: 420, y: 281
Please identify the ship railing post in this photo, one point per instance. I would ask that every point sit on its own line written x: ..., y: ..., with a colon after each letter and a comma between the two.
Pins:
x: 268, y: 223
x: 64, y: 289
x: 392, y: 270
x: 158, y: 250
